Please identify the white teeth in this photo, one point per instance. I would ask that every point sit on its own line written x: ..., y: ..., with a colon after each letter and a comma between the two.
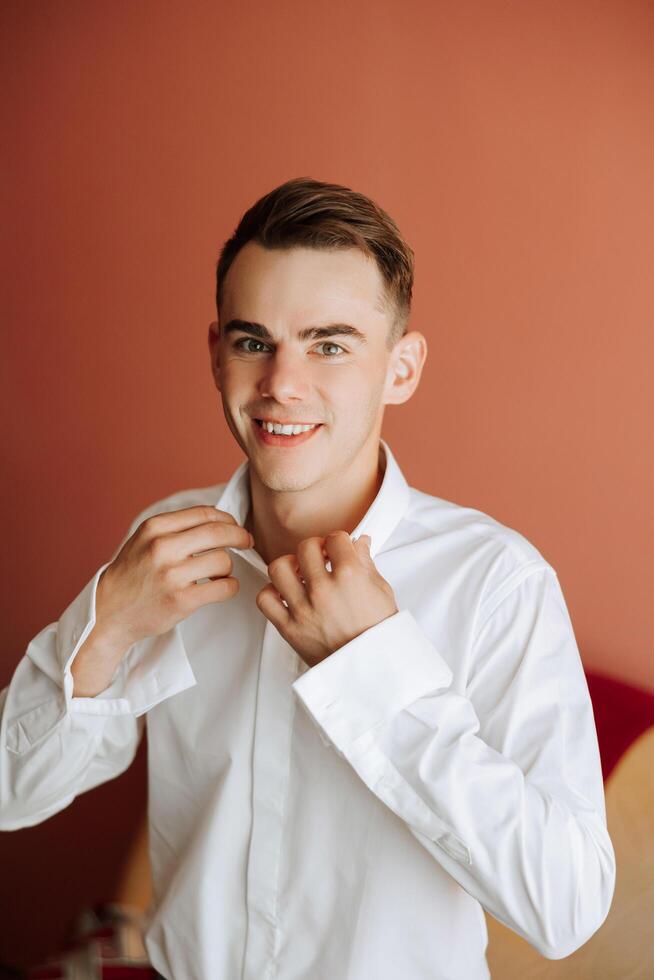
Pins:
x: 286, y: 430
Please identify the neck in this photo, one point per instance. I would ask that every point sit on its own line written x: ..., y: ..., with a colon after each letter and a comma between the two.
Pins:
x: 280, y: 520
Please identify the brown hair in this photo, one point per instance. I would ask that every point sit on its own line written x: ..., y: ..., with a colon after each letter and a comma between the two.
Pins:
x: 310, y: 213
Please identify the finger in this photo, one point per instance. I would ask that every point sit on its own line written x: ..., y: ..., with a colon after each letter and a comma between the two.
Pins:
x: 340, y: 549
x: 208, y: 536
x: 362, y: 547
x: 284, y: 575
x: 180, y: 520
x: 215, y: 591
x: 311, y: 560
x: 209, y: 564
x: 270, y: 603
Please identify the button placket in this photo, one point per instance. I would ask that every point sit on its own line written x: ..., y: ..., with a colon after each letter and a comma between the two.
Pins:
x: 270, y: 772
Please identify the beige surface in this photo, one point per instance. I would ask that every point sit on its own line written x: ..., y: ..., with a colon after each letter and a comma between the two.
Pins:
x: 623, y: 947
x: 135, y: 885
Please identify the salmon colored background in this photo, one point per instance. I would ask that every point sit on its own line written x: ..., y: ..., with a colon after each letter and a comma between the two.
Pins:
x: 514, y: 145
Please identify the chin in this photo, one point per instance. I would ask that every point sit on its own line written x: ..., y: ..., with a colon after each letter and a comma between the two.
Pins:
x: 283, y: 481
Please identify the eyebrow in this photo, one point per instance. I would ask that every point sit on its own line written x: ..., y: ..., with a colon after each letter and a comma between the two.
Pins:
x: 308, y: 333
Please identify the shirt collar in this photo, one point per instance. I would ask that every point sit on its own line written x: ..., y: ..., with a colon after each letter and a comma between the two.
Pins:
x: 379, y: 521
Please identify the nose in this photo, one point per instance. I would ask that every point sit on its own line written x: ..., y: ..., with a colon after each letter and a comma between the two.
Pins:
x: 284, y: 376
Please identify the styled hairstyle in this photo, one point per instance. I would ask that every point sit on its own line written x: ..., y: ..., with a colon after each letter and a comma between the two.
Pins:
x: 309, y: 213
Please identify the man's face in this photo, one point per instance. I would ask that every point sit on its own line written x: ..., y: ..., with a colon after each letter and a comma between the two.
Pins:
x: 336, y: 380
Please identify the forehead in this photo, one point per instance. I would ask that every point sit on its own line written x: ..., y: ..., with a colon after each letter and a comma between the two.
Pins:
x: 302, y: 285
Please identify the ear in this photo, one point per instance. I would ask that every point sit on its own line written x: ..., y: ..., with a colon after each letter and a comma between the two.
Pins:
x: 214, y: 350
x: 405, y: 367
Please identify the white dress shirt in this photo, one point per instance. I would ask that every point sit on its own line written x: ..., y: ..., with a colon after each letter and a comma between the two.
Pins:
x: 350, y: 820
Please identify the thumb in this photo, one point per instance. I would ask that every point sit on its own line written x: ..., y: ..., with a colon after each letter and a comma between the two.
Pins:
x: 364, y: 548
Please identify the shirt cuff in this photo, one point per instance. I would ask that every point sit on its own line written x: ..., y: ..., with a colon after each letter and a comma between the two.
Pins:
x: 151, y: 670
x: 369, y: 680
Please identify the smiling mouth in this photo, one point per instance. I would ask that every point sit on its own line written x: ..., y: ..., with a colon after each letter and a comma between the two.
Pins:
x: 285, y: 439
x: 299, y: 426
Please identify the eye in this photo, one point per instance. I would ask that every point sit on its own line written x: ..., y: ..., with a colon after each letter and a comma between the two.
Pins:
x: 328, y: 343
x: 240, y: 345
x: 248, y: 340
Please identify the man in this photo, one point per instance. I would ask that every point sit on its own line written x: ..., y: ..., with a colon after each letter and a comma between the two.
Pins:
x: 367, y: 715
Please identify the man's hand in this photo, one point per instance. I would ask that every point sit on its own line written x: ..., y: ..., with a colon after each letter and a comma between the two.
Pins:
x: 152, y: 584
x: 325, y: 610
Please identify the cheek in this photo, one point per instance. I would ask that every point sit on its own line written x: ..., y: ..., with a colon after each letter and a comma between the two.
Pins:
x: 354, y: 389
x: 237, y: 382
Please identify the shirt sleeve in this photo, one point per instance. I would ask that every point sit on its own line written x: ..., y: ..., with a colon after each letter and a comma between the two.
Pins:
x: 501, y: 781
x: 54, y: 746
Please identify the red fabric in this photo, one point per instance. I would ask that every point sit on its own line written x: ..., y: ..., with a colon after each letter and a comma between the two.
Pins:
x: 103, y: 934
x: 622, y: 713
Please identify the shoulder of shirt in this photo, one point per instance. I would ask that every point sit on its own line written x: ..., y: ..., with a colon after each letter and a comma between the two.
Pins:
x: 179, y: 500
x: 499, y: 557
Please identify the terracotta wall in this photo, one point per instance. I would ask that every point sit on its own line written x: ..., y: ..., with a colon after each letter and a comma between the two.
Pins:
x: 513, y: 143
